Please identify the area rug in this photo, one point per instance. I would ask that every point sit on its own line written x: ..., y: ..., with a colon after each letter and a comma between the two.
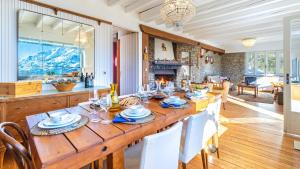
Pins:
x: 262, y: 97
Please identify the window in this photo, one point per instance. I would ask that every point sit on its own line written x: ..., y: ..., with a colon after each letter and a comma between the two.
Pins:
x: 37, y: 60
x: 264, y: 63
x: 52, y: 48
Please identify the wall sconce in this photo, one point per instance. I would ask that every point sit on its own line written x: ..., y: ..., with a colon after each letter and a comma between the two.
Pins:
x: 207, y: 60
x: 202, y: 52
x: 212, y: 60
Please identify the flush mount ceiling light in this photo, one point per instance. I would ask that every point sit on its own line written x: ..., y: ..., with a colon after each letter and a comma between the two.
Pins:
x: 177, y: 12
x: 248, y: 42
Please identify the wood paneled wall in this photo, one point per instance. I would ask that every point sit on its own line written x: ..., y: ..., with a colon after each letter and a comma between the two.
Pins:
x: 8, y: 40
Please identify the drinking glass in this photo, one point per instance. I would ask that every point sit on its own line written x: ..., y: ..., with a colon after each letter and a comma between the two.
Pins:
x: 94, y: 114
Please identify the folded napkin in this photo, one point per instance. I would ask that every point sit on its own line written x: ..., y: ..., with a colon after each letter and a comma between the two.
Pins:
x: 167, y: 105
x: 120, y: 119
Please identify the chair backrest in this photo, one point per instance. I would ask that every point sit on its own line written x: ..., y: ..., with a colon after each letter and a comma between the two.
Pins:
x: 210, y: 87
x: 8, y: 134
x: 214, y: 109
x: 226, y: 86
x: 161, y: 150
x: 200, y: 128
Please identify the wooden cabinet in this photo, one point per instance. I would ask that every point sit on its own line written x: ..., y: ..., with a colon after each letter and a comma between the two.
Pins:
x: 16, y: 109
x: 75, y: 99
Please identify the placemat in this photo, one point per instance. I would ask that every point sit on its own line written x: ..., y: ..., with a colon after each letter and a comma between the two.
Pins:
x: 35, y: 130
x: 142, y: 120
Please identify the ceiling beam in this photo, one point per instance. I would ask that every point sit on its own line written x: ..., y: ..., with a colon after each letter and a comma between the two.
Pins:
x: 216, y: 6
x: 245, y: 32
x: 275, y: 15
x: 235, y: 28
x: 150, y: 14
x: 234, y: 9
x: 154, y: 13
x: 140, y: 4
x: 255, y: 34
x: 284, y: 6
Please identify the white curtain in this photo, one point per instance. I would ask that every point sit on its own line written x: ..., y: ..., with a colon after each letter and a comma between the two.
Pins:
x: 129, y: 64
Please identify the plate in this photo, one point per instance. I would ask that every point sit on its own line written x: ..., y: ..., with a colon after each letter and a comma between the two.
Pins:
x: 42, y: 124
x: 177, y: 102
x: 126, y: 113
x: 66, y: 118
x: 131, y: 113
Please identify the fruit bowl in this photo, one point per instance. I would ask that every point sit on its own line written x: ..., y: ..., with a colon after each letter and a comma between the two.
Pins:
x: 64, y: 86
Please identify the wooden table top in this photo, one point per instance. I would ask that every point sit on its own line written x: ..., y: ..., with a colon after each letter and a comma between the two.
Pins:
x: 95, y: 140
x: 245, y: 85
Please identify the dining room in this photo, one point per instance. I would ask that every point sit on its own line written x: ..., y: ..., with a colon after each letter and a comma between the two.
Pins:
x: 138, y: 84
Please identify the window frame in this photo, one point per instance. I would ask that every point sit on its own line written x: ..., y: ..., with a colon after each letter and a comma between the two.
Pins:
x: 278, y: 55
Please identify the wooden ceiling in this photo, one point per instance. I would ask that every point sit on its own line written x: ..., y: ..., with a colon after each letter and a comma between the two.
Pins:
x: 223, y: 21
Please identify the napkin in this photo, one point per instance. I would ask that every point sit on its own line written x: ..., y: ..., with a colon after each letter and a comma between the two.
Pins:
x: 120, y: 119
x: 167, y: 105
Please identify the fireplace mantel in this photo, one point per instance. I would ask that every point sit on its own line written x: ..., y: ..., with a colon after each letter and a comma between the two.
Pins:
x: 167, y: 62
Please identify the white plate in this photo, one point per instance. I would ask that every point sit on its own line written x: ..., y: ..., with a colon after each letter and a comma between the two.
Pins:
x: 145, y: 113
x: 66, y: 118
x: 42, y: 125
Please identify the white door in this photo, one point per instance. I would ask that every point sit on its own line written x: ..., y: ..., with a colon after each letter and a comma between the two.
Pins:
x: 292, y: 78
x: 129, y: 64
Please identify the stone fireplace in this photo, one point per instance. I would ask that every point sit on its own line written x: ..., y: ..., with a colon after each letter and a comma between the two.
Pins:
x: 184, y: 64
x: 164, y: 71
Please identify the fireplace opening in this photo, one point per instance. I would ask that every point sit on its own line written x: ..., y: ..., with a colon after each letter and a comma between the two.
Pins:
x: 165, y: 79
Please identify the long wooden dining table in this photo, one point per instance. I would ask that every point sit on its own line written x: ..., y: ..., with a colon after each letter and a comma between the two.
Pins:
x: 95, y: 141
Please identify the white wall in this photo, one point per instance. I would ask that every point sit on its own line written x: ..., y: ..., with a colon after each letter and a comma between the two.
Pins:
x: 8, y: 41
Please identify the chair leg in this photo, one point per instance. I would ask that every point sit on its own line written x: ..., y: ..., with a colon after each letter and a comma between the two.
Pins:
x: 215, y: 140
x: 224, y: 106
x: 203, y: 156
x: 2, y: 154
x: 184, y: 166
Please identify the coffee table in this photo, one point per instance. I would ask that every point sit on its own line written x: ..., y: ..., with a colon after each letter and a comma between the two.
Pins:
x: 241, y: 87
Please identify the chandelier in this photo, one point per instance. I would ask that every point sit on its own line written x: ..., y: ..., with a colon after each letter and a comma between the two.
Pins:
x: 177, y: 12
x: 248, y: 42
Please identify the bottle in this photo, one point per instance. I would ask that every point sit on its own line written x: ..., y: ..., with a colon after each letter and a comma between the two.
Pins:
x: 92, y: 80
x: 81, y: 77
x: 86, y: 81
x: 114, y: 98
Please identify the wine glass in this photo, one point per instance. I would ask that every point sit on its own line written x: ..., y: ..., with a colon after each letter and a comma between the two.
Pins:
x: 94, y: 114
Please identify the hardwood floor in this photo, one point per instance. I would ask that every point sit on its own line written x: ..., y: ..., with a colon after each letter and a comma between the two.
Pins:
x: 250, y: 139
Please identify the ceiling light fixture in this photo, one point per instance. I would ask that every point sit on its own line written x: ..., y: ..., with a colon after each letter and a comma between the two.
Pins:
x: 248, y: 42
x: 177, y: 12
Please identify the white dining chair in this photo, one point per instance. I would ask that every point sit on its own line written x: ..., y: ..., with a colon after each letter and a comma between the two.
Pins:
x: 225, y: 93
x: 199, y: 130
x: 157, y: 151
x: 214, y: 110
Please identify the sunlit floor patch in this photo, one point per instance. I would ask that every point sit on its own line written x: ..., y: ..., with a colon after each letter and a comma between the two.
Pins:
x: 258, y: 109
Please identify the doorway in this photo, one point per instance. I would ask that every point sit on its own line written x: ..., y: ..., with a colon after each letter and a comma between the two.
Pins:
x: 292, y: 75
x: 125, y: 60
